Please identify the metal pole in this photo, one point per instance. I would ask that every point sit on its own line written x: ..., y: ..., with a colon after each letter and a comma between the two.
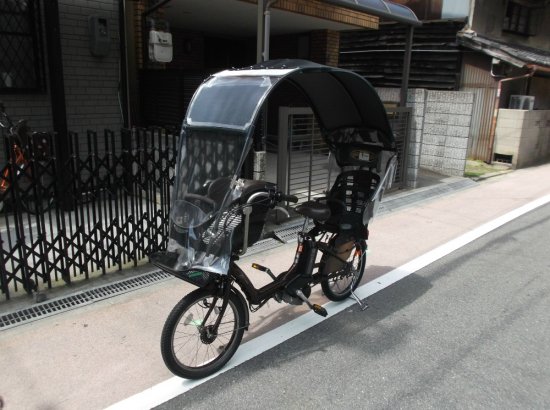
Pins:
x: 267, y: 28
x: 406, y: 67
x: 123, y: 74
x: 260, y: 32
x: 57, y: 96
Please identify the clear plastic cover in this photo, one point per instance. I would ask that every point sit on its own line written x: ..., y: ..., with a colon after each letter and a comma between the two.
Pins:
x: 202, y: 217
x: 208, y: 197
x: 229, y: 101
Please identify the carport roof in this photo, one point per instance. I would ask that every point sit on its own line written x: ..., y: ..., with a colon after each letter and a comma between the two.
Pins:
x: 381, y: 8
x: 240, y: 17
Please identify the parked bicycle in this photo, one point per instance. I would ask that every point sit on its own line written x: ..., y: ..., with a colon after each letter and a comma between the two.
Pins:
x: 25, y: 181
x: 216, y: 215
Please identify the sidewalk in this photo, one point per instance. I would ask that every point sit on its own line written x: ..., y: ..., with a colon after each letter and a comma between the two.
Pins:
x: 103, y: 352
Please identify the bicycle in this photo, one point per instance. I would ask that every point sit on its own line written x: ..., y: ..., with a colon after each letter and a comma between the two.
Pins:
x: 26, y: 180
x: 216, y: 215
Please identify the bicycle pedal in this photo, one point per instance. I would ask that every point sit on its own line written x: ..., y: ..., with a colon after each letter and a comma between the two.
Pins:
x: 320, y: 310
x: 264, y: 269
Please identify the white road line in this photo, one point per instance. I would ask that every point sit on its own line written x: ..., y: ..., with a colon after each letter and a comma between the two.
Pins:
x: 175, y: 386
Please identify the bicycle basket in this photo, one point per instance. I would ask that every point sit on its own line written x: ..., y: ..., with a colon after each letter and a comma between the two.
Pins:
x: 167, y: 261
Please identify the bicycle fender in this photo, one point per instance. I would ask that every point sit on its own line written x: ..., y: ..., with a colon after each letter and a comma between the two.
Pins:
x: 245, y: 306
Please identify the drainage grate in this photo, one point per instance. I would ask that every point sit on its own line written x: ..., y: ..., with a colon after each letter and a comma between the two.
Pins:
x: 79, y: 299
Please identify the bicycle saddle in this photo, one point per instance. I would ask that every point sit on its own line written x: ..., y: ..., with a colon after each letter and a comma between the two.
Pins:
x: 314, y: 210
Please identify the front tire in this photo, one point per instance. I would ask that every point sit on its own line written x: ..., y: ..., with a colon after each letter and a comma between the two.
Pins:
x: 339, y: 278
x: 189, y: 347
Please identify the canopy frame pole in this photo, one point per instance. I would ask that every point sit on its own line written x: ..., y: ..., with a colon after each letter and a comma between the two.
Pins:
x: 260, y: 32
x: 406, y: 67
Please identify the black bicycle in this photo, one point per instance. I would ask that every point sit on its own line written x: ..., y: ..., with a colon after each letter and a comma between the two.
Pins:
x: 216, y: 215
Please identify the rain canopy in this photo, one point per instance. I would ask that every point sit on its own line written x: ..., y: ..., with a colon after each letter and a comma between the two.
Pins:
x: 208, y: 196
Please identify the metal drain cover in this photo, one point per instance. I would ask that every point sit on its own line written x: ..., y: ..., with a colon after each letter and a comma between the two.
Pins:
x: 79, y: 299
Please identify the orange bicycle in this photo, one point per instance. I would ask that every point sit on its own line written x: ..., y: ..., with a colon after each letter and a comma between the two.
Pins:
x: 24, y: 182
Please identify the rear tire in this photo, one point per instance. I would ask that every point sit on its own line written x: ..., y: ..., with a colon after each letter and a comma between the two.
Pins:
x: 338, y: 280
x: 187, y: 347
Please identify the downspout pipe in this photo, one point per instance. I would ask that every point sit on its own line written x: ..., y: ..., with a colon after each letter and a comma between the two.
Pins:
x: 496, y: 108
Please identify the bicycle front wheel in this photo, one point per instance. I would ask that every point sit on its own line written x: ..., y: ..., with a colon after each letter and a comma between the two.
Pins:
x: 191, y: 347
x: 342, y: 274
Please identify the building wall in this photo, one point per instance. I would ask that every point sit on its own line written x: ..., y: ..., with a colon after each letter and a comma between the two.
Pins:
x: 488, y: 15
x: 324, y: 47
x: 476, y: 78
x: 91, y: 83
x: 540, y: 89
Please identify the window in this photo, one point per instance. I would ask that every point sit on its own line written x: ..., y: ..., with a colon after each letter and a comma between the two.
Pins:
x: 21, y: 62
x: 520, y: 19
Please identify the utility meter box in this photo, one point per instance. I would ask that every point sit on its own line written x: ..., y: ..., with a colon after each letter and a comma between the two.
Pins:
x: 100, y: 42
x: 160, y: 46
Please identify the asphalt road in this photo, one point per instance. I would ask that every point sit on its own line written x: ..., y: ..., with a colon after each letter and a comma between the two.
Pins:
x: 471, y: 330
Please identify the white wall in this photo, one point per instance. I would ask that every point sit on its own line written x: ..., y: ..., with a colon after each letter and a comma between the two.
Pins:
x: 455, y: 9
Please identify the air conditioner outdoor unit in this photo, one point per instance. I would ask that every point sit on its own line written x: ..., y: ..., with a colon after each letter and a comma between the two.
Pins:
x: 521, y: 102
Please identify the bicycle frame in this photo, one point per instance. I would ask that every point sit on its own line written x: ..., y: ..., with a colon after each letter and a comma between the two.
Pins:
x: 18, y: 166
x: 301, y: 267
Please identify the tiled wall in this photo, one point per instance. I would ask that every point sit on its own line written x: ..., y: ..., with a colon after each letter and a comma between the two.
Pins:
x: 91, y: 83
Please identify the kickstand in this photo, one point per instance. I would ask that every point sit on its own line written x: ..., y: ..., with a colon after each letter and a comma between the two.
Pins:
x: 362, y: 305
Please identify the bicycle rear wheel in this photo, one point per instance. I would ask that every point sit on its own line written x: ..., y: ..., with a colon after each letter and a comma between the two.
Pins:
x: 190, y: 347
x: 341, y: 278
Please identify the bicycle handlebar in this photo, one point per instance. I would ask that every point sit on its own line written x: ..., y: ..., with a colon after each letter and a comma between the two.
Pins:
x: 277, y: 196
x: 284, y: 197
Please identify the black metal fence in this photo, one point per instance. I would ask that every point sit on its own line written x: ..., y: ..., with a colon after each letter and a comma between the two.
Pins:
x: 100, y: 211
x: 104, y: 209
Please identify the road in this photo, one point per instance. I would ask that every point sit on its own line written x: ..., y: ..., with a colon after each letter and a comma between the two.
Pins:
x: 471, y: 330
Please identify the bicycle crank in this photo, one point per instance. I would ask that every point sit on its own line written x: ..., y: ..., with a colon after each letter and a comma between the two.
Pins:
x: 320, y: 310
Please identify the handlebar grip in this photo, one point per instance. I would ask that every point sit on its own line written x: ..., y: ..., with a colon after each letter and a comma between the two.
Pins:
x: 289, y: 198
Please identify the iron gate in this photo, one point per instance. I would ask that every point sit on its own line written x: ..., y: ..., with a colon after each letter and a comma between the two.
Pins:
x: 306, y: 169
x: 100, y: 211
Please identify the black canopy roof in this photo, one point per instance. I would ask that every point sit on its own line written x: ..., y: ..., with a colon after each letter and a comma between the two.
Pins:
x: 341, y: 99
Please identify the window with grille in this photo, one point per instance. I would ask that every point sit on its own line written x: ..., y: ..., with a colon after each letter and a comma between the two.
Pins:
x: 520, y: 19
x: 21, y: 62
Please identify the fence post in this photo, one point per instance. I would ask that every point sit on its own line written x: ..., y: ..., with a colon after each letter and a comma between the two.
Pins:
x: 126, y: 140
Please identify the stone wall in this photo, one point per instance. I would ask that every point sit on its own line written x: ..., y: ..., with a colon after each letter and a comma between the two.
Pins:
x: 523, y: 135
x: 447, y: 117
